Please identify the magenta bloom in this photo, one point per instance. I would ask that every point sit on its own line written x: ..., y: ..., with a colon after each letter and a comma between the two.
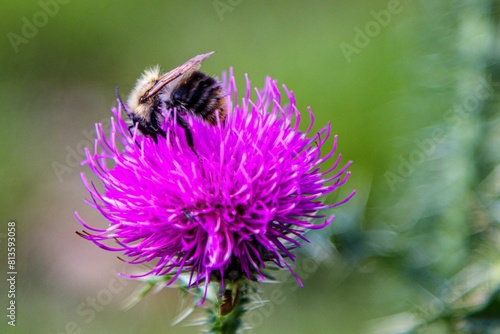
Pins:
x: 247, y: 200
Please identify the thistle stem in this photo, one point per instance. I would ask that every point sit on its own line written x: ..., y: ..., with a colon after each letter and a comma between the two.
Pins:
x: 231, y: 322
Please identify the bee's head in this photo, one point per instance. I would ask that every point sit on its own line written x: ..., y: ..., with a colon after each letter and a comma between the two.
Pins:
x: 138, y: 104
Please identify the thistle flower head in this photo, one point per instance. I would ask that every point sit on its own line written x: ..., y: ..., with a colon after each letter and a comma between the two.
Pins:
x: 246, y: 200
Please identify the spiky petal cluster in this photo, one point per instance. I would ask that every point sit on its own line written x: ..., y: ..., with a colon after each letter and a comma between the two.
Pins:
x: 247, y: 199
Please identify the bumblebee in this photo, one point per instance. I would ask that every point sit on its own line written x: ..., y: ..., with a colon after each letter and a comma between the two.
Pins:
x: 184, y: 89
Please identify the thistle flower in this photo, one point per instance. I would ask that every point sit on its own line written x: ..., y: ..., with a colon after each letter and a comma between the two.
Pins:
x: 246, y: 201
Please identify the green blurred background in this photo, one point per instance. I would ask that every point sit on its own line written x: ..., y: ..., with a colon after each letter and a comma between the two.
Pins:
x: 411, y: 88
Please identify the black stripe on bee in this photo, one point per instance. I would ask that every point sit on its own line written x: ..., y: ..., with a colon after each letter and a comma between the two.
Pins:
x: 200, y: 94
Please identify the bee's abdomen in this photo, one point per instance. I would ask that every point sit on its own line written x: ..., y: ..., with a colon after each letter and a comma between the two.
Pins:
x: 202, y: 95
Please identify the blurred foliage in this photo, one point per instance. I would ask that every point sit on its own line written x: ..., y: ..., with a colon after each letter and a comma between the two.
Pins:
x: 416, y: 250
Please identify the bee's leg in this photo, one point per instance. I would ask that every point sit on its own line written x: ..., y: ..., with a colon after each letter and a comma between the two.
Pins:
x: 155, y: 137
x: 187, y: 131
x: 130, y: 127
x: 154, y: 128
x: 162, y: 133
x: 156, y: 132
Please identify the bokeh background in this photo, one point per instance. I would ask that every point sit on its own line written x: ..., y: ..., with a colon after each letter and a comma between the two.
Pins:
x: 411, y: 88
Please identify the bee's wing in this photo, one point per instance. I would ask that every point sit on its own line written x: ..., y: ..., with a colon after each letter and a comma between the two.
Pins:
x: 192, y: 64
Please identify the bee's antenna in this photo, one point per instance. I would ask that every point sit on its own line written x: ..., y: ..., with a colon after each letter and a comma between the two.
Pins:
x: 129, y: 114
x: 187, y: 131
x: 124, y: 107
